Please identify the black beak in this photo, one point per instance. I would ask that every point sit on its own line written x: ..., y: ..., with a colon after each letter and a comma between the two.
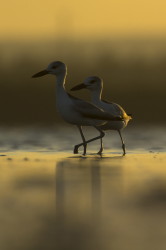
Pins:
x: 78, y: 87
x: 41, y: 73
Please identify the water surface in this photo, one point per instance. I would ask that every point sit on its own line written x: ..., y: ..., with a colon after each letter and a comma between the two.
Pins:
x: 52, y: 199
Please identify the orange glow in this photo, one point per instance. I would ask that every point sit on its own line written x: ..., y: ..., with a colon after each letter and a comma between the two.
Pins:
x: 33, y: 19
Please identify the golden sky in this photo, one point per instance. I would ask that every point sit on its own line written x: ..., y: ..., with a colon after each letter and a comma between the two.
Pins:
x: 51, y: 18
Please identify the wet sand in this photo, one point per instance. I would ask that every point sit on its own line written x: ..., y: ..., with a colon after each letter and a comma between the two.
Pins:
x: 63, y: 201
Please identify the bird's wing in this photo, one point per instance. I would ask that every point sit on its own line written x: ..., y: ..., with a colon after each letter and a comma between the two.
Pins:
x: 118, y: 110
x: 88, y: 110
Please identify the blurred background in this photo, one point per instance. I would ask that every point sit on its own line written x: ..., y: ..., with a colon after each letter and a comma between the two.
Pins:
x: 123, y: 42
x: 51, y: 199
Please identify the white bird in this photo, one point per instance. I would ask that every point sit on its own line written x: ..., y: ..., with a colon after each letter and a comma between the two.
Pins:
x: 95, y: 85
x: 74, y: 110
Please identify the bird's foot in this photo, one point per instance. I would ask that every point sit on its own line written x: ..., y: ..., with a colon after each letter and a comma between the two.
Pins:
x: 124, y: 149
x: 100, y: 152
x: 75, y: 151
x: 85, y: 149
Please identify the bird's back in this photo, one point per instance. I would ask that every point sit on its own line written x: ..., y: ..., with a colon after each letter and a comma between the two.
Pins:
x: 90, y: 113
x: 116, y: 110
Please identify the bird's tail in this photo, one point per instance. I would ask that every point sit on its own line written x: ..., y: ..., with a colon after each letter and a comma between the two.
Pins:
x: 130, y: 116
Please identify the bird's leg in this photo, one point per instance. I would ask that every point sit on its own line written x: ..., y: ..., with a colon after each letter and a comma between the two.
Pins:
x: 102, y: 134
x: 101, y: 147
x: 123, y: 144
x: 84, y: 142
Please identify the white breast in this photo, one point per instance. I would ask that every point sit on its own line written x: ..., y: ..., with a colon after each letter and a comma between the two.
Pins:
x: 64, y: 106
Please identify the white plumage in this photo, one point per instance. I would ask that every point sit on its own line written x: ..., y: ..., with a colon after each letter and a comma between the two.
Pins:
x: 74, y: 110
x: 95, y: 85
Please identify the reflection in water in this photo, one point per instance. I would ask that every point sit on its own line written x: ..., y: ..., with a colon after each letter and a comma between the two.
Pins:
x: 79, y: 206
x: 77, y: 185
x: 96, y: 192
x: 49, y: 201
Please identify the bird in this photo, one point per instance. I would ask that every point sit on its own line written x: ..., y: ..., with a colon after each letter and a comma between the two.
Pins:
x: 95, y: 85
x: 73, y: 110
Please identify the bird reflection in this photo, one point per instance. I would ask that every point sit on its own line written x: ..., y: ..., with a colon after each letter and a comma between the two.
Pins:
x: 79, y: 191
x: 77, y: 187
x: 78, y: 202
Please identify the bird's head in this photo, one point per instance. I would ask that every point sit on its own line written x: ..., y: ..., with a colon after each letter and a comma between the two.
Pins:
x: 54, y: 68
x: 92, y: 83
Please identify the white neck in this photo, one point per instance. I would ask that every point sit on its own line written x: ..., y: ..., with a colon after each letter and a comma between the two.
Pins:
x: 60, y: 79
x: 61, y: 94
x: 96, y: 95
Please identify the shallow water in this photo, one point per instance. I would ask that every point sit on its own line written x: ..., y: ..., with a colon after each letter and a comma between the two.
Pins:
x: 52, y: 199
x: 60, y: 139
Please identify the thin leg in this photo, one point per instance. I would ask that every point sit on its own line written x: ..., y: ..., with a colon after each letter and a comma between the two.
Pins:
x: 123, y: 144
x: 101, y: 147
x: 84, y: 142
x: 102, y: 134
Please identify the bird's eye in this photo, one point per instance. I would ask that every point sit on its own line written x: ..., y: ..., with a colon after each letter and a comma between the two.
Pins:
x: 92, y: 81
x: 54, y: 67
